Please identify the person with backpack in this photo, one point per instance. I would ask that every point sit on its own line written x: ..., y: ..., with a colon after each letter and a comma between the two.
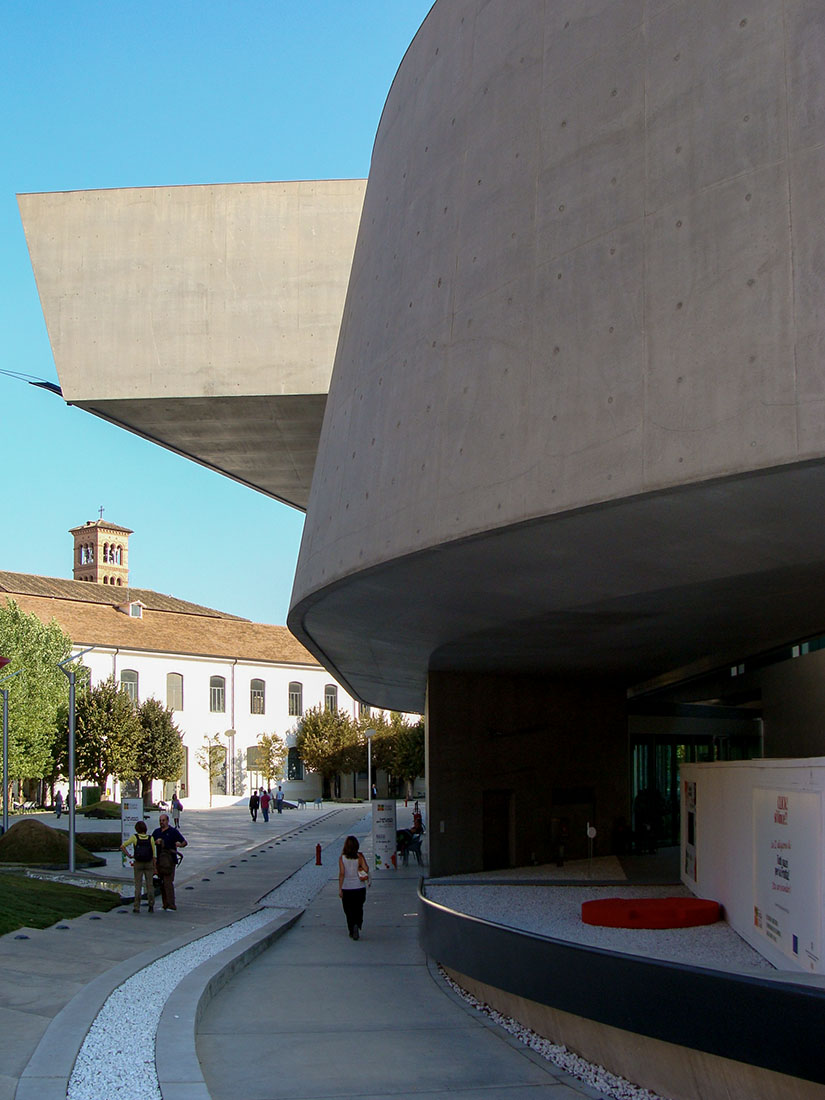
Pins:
x: 144, y: 864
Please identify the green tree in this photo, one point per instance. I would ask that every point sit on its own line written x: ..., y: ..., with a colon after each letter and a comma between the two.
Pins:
x: 212, y: 758
x: 409, y: 756
x: 383, y: 741
x: 35, y: 696
x: 107, y: 729
x: 157, y: 752
x: 328, y: 742
x: 397, y: 746
x: 271, y: 756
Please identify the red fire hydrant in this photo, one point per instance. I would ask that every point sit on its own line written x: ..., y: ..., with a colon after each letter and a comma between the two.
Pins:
x: 317, y: 855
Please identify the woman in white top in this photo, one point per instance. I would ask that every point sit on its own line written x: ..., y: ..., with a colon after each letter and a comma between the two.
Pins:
x: 353, y: 879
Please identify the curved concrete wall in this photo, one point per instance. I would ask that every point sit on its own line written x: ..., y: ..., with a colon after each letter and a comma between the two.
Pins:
x: 588, y: 268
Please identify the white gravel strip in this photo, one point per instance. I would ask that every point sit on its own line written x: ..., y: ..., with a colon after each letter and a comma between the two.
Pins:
x: 556, y: 911
x: 597, y: 1077
x: 117, y: 1058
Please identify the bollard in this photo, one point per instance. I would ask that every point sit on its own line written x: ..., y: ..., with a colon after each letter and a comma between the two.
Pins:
x: 317, y: 855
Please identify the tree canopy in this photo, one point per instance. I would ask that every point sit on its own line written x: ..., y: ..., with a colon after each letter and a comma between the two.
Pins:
x: 36, y: 695
x: 397, y: 746
x: 270, y: 756
x: 107, y: 729
x: 328, y: 741
x: 158, y: 751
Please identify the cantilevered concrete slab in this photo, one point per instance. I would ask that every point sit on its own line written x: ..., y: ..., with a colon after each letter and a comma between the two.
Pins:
x: 204, y: 318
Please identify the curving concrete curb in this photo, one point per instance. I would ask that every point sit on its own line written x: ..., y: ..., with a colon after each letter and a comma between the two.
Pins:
x: 176, y: 1057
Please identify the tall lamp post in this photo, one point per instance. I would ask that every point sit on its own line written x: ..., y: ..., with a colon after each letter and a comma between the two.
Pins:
x: 5, y: 692
x: 71, y: 674
x: 369, y: 734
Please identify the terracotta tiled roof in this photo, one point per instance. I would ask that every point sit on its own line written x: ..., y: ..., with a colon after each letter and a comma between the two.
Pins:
x: 104, y: 525
x: 199, y: 632
x: 58, y: 588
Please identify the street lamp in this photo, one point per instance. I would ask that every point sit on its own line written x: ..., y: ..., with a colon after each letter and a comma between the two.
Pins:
x: 71, y: 675
x: 5, y: 693
x: 369, y: 734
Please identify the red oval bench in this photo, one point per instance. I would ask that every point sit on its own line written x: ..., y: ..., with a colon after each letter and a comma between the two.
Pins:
x: 650, y: 912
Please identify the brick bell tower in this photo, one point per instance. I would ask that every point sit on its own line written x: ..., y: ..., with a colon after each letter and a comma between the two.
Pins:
x: 101, y: 552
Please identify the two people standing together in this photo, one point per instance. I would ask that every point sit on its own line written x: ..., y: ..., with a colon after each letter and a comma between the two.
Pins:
x: 155, y: 854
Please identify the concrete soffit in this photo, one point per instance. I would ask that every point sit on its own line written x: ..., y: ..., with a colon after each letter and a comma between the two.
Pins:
x: 205, y: 318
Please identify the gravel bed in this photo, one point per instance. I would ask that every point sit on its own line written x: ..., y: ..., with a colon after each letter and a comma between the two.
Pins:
x: 118, y: 1054
x: 597, y: 1077
x: 556, y: 911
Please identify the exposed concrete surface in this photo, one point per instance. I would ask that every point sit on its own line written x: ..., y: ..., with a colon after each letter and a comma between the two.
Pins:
x: 319, y: 1015
x: 203, y: 317
x: 579, y: 376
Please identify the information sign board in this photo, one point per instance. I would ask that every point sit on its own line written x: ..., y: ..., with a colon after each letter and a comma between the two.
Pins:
x: 131, y: 811
x: 383, y: 835
x: 787, y: 861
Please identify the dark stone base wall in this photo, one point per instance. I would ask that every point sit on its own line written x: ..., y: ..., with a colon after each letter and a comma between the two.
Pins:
x: 518, y: 764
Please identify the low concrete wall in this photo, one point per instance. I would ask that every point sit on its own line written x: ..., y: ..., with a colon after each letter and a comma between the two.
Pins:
x: 684, y: 1031
x: 667, y: 1069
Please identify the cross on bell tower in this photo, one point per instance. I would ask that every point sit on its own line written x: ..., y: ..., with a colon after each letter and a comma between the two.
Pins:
x: 101, y: 552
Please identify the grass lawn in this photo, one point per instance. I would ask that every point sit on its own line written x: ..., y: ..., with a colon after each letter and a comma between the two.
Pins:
x: 35, y: 903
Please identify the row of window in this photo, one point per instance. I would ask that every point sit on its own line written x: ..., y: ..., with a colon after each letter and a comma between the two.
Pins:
x: 217, y: 693
x: 112, y: 554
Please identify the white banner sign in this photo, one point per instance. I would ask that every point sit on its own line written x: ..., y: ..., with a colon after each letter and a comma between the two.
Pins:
x: 787, y: 860
x: 383, y: 835
x: 131, y: 811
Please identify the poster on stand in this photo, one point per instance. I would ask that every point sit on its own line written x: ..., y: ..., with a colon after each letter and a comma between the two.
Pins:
x: 131, y: 811
x: 787, y: 861
x: 384, y: 835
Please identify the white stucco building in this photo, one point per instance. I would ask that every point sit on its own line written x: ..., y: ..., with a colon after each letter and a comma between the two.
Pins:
x: 219, y: 673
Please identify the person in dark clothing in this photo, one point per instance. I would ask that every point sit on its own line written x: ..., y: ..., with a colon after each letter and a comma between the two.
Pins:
x: 254, y: 803
x: 167, y: 841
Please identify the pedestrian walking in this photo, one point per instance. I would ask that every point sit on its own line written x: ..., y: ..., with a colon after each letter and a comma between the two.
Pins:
x: 167, y: 841
x: 254, y: 803
x: 58, y: 804
x: 279, y: 800
x: 177, y: 806
x: 265, y: 800
x: 144, y: 864
x: 353, y: 880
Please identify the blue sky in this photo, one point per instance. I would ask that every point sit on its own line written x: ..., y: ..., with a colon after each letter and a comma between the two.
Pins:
x: 112, y: 93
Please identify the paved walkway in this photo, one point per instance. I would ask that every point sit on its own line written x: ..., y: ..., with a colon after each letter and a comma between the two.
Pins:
x: 319, y: 1015
x: 314, y: 1015
x: 47, y: 978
